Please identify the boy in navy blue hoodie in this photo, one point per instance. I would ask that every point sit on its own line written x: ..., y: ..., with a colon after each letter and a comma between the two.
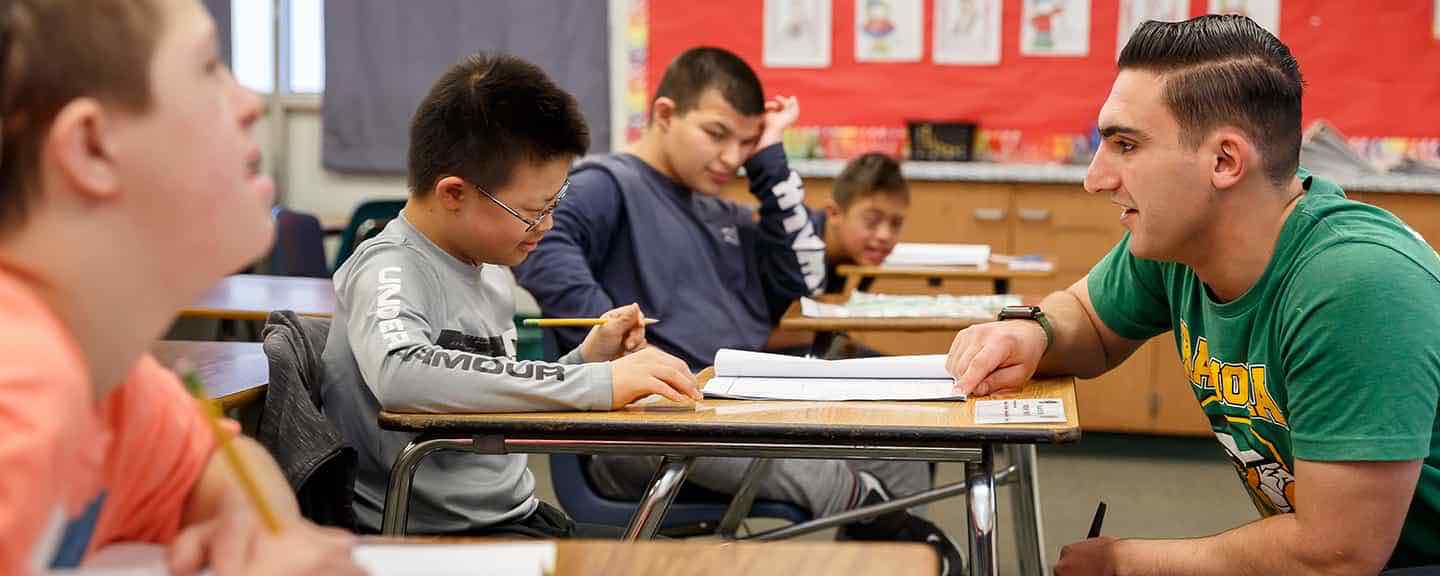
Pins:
x: 647, y: 226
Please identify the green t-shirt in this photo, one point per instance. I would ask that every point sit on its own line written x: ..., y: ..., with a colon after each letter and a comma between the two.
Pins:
x: 1333, y: 354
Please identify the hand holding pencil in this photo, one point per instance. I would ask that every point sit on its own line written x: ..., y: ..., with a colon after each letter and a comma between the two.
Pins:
x: 613, y: 335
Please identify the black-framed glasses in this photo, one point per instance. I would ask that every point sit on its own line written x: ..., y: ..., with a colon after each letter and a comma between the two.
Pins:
x: 529, y: 223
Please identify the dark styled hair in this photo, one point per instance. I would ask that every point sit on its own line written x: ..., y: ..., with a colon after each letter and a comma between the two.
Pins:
x: 484, y: 116
x: 54, y: 52
x: 699, y: 69
x: 868, y: 175
x: 1225, y: 70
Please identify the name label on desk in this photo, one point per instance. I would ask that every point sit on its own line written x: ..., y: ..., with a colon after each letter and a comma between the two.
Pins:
x: 1019, y: 411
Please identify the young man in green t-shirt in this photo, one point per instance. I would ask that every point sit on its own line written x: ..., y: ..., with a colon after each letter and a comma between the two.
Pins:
x: 1309, y: 324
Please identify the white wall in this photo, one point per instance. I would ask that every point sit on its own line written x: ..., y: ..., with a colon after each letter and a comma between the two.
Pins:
x: 309, y: 187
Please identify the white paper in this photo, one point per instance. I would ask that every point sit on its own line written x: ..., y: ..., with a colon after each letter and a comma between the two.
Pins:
x: 521, y: 558
x: 1133, y: 13
x: 866, y: 305
x: 1266, y: 13
x: 938, y: 254
x: 1436, y: 14
x: 1043, y: 410
x: 527, y: 558
x: 741, y: 363
x: 1055, y: 28
x: 889, y: 30
x: 831, y: 389
x: 967, y: 31
x: 797, y: 33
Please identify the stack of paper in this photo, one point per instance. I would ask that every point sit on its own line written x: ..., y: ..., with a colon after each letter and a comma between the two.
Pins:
x: 866, y: 305
x: 920, y: 254
x: 759, y: 376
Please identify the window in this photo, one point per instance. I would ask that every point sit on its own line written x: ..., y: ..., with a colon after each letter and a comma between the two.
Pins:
x: 253, y: 30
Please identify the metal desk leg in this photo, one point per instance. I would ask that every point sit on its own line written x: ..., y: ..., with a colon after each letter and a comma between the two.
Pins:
x: 1025, y: 495
x: 744, y: 498
x: 397, y: 497
x: 981, y: 503
x: 663, y: 488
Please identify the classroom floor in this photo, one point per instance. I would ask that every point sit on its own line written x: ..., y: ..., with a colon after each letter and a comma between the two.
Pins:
x: 1154, y: 487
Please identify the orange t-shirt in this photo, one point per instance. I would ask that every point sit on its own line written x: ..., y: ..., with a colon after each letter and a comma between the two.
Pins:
x: 77, y: 473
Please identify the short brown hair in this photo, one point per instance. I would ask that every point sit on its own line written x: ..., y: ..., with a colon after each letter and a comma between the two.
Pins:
x: 1225, y: 70
x: 53, y: 52
x: 868, y: 175
x: 485, y: 115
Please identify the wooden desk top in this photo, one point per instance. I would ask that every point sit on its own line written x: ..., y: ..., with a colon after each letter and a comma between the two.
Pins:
x: 795, y: 321
x: 751, y: 558
x: 948, y: 272
x: 817, y: 423
x: 254, y: 296
x: 234, y: 373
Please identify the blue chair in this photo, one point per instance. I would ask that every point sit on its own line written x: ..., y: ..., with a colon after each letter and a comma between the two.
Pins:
x: 299, y: 245
x: 369, y: 218
x: 695, y: 511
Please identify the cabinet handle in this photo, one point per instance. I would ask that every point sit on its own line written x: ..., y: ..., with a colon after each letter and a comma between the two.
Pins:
x: 1034, y: 214
x: 989, y: 214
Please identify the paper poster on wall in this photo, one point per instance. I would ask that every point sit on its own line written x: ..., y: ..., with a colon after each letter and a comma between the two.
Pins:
x: 1055, y: 28
x: 797, y: 33
x: 1266, y: 13
x: 889, y: 30
x: 1133, y: 13
x: 968, y: 31
x: 1436, y: 15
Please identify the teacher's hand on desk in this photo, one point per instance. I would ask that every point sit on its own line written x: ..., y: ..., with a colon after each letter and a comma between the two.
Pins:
x: 995, y: 356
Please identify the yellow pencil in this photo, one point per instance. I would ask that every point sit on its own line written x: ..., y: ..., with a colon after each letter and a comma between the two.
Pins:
x: 567, y: 322
x: 231, y: 455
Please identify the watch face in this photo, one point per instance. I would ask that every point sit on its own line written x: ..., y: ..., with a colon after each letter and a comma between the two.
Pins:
x: 1019, y: 312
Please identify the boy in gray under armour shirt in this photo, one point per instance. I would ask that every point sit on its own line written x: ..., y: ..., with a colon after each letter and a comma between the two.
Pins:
x: 424, y: 317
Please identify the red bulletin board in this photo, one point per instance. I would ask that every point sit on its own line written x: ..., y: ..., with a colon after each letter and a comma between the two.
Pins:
x: 1371, y: 68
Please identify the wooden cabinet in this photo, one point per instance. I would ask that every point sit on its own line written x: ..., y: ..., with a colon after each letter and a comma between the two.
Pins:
x: 1420, y: 211
x: 1150, y: 392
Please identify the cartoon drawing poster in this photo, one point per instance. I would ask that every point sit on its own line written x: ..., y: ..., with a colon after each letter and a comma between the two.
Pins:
x: 968, y: 31
x: 1266, y: 13
x: 797, y: 33
x: 1055, y: 28
x: 889, y: 30
x: 1133, y: 13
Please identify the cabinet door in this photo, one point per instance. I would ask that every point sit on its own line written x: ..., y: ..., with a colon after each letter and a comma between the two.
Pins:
x: 960, y: 213
x: 1066, y: 223
x: 1175, y: 408
x: 1420, y: 211
x: 1119, y: 400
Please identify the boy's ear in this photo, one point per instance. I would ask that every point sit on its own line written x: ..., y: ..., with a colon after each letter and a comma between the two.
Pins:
x: 662, y: 111
x: 450, y: 192
x: 79, y: 148
x: 832, y: 209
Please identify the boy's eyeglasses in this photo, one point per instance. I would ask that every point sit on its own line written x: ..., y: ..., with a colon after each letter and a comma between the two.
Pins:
x: 529, y: 223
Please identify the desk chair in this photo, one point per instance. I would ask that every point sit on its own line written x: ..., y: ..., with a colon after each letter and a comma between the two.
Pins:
x: 299, y: 245
x: 311, y: 453
x: 696, y: 511
x: 369, y: 219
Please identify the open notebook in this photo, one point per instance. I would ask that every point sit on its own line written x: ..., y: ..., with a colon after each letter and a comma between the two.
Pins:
x: 517, y: 559
x: 759, y: 376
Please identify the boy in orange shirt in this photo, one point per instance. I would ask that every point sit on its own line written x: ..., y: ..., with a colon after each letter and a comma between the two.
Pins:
x: 128, y: 185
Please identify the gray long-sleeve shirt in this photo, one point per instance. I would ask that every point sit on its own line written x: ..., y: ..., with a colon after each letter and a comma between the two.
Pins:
x: 417, y: 330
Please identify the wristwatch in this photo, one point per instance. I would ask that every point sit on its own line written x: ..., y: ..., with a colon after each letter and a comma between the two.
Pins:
x: 1030, y: 313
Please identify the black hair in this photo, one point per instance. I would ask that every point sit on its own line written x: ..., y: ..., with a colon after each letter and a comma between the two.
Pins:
x: 699, y: 69
x: 485, y: 115
x: 867, y: 175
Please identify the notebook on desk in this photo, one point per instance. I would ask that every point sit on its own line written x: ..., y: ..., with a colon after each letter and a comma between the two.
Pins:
x: 745, y: 375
